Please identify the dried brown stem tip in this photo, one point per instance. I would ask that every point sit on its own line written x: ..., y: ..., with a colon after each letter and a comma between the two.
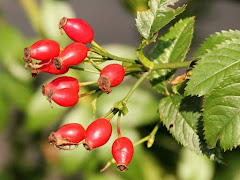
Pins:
x: 57, y: 63
x: 26, y: 55
x: 104, y: 84
x: 60, y: 143
x: 50, y: 95
x: 122, y: 167
x: 35, y: 72
x: 87, y: 146
x: 62, y: 22
x: 43, y: 90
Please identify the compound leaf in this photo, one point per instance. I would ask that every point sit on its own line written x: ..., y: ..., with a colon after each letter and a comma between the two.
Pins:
x: 180, y: 116
x: 213, y: 66
x: 214, y: 39
x: 221, y: 114
x: 159, y: 14
x: 172, y: 47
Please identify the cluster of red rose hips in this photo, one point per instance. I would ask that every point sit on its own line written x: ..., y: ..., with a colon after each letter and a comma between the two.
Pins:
x: 64, y: 90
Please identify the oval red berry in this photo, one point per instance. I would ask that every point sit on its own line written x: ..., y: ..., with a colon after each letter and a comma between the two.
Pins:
x: 61, y: 83
x: 77, y: 29
x: 43, y: 50
x: 64, y: 97
x: 111, y: 76
x: 97, y: 133
x: 122, y: 151
x: 73, y: 54
x: 68, y: 134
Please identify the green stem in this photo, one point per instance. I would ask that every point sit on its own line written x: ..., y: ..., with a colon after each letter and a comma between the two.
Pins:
x: 108, y: 113
x: 118, y: 125
x: 98, y: 46
x: 95, y: 65
x: 88, y: 93
x: 113, y: 114
x: 139, y: 81
x: 104, y: 53
x: 141, y: 141
x: 175, y: 65
x: 87, y: 83
x: 83, y: 69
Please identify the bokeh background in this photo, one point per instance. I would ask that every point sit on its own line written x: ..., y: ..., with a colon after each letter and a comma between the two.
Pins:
x: 26, y: 118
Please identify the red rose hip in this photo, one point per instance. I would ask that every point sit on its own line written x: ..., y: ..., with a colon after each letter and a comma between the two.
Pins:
x: 61, y: 83
x: 67, y: 135
x: 49, y: 68
x: 77, y: 29
x: 73, y: 54
x: 43, y: 50
x: 97, y: 133
x: 111, y: 76
x: 63, y: 97
x: 122, y: 151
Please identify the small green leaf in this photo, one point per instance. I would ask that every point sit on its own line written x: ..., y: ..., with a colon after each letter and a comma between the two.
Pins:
x: 221, y: 114
x: 172, y: 47
x: 213, y: 66
x: 150, y: 21
x: 180, y: 116
x: 214, y: 39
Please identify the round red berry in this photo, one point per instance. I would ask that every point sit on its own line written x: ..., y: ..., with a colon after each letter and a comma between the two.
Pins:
x: 67, y: 135
x: 97, y: 133
x: 61, y: 83
x: 63, y: 97
x: 73, y: 54
x: 77, y: 29
x: 111, y: 76
x: 49, y: 68
x: 43, y: 50
x: 122, y: 151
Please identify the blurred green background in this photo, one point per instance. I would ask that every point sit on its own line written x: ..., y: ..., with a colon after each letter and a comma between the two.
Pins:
x: 26, y: 118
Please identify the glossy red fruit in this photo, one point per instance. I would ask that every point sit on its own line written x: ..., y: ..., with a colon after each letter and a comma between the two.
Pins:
x: 49, y: 68
x: 77, y: 29
x: 97, y: 133
x: 122, y: 151
x: 67, y: 135
x: 43, y: 50
x: 63, y: 97
x: 73, y: 54
x: 111, y: 76
x: 61, y: 83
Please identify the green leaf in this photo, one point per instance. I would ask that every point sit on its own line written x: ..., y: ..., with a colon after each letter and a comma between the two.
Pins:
x: 215, y: 39
x: 159, y: 14
x: 221, y: 114
x: 213, y: 66
x: 172, y: 47
x: 180, y: 116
